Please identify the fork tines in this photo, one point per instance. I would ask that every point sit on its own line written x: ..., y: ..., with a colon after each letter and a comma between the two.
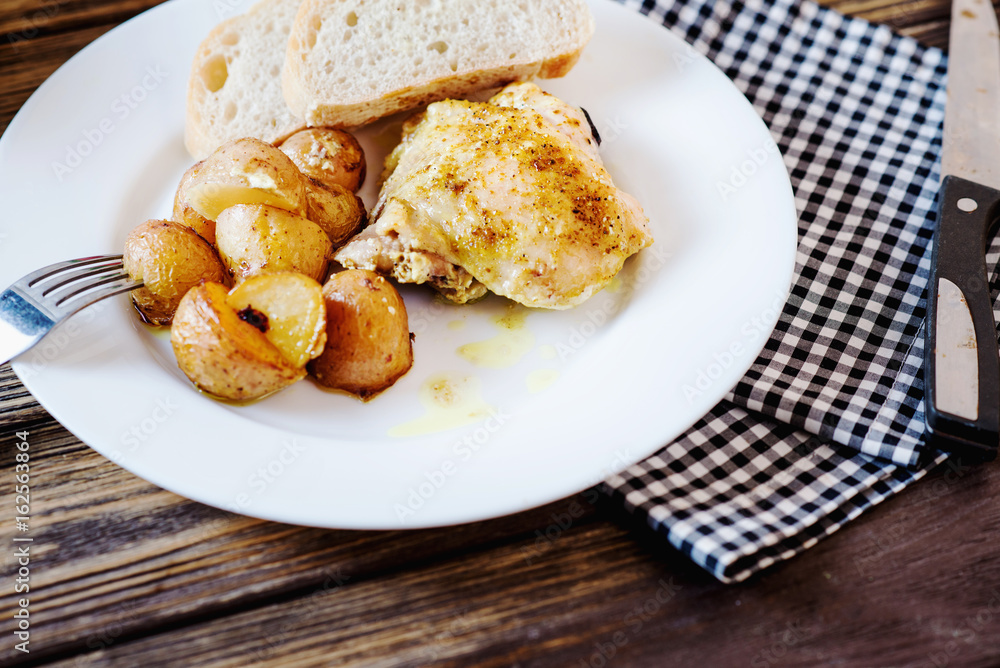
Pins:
x: 73, y: 284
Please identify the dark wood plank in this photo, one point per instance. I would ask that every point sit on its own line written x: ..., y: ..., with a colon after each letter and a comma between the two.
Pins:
x: 914, y: 582
x: 24, y: 21
x: 925, y: 20
x: 17, y: 406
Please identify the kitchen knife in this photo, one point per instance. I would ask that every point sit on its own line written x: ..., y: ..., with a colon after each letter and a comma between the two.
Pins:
x: 961, y: 358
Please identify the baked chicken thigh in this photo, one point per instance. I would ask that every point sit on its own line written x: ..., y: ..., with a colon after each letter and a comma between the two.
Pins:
x: 509, y: 196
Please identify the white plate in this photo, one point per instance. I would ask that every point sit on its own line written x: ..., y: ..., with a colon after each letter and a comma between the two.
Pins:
x: 98, y: 149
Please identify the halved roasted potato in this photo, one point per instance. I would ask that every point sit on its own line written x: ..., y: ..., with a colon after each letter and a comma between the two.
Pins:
x: 368, y: 343
x: 338, y: 211
x: 185, y: 214
x: 332, y: 157
x: 246, y: 171
x: 254, y: 238
x: 252, y: 342
x: 170, y: 259
x: 295, y: 311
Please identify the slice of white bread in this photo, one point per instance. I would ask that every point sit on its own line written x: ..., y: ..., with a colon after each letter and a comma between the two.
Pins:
x: 350, y: 62
x: 235, y: 85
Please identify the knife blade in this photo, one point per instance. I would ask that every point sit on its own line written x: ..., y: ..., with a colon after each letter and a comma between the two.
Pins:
x: 961, y: 358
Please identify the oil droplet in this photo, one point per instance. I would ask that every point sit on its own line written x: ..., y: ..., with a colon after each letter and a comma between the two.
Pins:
x: 451, y: 400
x: 512, y: 342
x: 548, y: 352
x: 162, y: 333
x: 614, y: 285
x: 456, y: 325
x: 540, y: 380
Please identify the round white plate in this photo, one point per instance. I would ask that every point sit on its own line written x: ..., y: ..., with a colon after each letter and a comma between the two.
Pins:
x: 572, y: 396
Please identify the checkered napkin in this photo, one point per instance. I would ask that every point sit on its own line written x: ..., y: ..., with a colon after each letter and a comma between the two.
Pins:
x: 829, y: 420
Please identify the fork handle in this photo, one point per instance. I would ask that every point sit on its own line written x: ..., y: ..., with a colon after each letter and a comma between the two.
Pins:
x: 21, y: 325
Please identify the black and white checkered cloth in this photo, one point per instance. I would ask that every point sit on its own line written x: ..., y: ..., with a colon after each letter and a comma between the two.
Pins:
x: 829, y: 420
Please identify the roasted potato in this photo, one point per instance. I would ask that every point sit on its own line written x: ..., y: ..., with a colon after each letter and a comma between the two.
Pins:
x: 295, y: 309
x: 254, y: 238
x: 332, y: 157
x: 185, y: 214
x: 253, y: 341
x: 338, y: 211
x: 246, y: 171
x: 368, y: 343
x: 170, y: 259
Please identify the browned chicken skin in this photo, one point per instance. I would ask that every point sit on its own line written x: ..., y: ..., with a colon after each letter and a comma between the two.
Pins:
x: 509, y: 196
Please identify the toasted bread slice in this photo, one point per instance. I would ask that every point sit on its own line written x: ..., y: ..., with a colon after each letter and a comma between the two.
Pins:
x: 350, y: 62
x: 235, y: 85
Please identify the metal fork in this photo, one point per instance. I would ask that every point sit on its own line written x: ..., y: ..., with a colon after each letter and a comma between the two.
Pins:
x: 32, y: 306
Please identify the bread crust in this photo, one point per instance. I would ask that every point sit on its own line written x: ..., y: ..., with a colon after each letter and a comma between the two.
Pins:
x: 301, y: 85
x: 228, y: 52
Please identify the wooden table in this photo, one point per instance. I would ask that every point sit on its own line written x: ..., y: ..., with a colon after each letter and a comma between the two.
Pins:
x: 123, y: 573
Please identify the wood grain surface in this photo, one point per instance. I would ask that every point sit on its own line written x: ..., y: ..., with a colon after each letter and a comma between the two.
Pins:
x: 126, y: 574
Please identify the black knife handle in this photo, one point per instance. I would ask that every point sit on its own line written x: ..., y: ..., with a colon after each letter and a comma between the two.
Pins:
x: 967, y: 213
